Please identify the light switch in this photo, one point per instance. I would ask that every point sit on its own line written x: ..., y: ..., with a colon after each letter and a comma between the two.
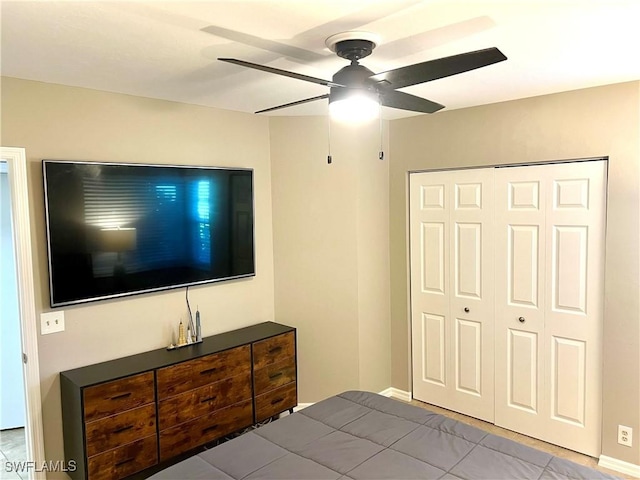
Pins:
x: 51, y: 322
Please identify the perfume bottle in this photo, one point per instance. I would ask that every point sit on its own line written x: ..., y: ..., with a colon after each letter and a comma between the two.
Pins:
x: 182, y: 339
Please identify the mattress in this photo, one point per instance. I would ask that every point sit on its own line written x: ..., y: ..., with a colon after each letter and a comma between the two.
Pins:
x: 361, y: 435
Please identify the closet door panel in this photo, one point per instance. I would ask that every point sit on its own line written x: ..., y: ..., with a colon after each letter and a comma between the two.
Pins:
x: 523, y: 271
x: 472, y: 292
x: 432, y: 251
x: 434, y: 351
x: 519, y: 260
x: 468, y: 356
x: 468, y: 260
x: 574, y: 312
x: 429, y: 251
x: 568, y: 380
x: 522, y: 371
x: 569, y: 268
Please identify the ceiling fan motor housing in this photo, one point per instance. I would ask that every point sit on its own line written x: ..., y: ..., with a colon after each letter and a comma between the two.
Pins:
x: 354, y: 77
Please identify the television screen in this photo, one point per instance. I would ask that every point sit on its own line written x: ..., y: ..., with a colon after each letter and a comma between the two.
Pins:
x: 119, y: 229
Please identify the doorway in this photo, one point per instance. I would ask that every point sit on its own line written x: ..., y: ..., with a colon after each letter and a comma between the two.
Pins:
x: 12, y: 399
x: 17, y: 189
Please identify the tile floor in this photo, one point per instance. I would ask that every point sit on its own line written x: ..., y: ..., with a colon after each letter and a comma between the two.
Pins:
x: 529, y: 441
x: 12, y: 449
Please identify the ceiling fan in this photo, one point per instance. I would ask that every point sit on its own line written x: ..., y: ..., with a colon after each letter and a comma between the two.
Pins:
x: 381, y: 88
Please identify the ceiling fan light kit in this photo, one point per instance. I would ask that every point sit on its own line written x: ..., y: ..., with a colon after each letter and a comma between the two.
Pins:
x: 354, y: 106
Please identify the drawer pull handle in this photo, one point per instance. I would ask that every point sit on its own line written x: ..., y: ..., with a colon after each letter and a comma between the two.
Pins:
x: 123, y: 429
x: 208, y: 371
x: 124, y: 461
x: 212, y: 427
x: 122, y: 395
x: 276, y: 400
x: 273, y: 376
x: 205, y: 400
x: 275, y: 349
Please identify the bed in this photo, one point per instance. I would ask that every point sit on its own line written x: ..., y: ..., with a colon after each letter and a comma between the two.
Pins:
x: 361, y: 435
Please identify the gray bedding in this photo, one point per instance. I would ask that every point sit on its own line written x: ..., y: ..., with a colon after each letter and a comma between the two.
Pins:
x: 361, y: 435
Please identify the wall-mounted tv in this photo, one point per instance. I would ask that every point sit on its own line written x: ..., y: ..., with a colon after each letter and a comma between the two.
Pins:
x: 121, y: 229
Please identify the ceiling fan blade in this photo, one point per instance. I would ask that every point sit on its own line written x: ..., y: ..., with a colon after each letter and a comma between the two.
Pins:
x: 299, y: 102
x: 315, y: 35
x: 406, y: 101
x: 356, y: 20
x: 264, y: 44
x: 285, y: 73
x: 420, y: 42
x: 440, y: 68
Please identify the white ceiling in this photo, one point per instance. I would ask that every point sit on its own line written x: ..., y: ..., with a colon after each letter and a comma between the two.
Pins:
x: 168, y: 50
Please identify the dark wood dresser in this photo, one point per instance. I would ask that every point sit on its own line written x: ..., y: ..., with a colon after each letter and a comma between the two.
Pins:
x: 132, y: 414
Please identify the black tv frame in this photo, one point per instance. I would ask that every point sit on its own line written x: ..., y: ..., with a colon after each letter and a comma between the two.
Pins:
x: 55, y: 302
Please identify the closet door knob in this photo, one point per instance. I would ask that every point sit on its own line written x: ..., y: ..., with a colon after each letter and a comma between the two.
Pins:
x: 466, y: 309
x: 521, y: 319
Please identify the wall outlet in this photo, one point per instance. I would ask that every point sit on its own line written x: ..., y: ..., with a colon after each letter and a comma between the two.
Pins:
x: 51, y: 322
x: 625, y: 435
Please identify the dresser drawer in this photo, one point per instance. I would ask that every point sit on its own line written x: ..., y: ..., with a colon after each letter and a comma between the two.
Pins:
x: 275, y: 375
x: 125, y: 460
x: 201, y: 430
x: 196, y: 373
x: 117, y: 396
x: 276, y: 401
x: 272, y: 350
x: 201, y: 401
x: 109, y: 432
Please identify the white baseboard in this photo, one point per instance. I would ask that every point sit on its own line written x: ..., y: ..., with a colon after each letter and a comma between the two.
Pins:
x: 619, y: 466
x: 389, y: 392
x: 298, y: 407
x: 301, y: 406
x: 397, y: 394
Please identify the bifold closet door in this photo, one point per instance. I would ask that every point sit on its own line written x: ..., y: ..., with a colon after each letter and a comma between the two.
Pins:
x: 452, y: 297
x: 550, y: 223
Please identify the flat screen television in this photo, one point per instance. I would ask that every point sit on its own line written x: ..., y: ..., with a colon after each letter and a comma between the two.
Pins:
x: 121, y: 229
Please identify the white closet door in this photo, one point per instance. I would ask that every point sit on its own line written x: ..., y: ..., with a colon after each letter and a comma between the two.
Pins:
x: 429, y: 245
x: 520, y: 306
x: 550, y: 277
x: 452, y: 290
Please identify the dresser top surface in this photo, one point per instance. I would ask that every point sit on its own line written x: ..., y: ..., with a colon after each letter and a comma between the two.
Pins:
x: 143, y: 362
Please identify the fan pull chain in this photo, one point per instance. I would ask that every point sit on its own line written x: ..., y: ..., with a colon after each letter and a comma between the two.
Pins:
x: 329, y: 159
x: 381, y: 152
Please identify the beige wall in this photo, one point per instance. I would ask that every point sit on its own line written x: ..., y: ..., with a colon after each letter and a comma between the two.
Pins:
x: 595, y: 122
x: 58, y: 122
x: 331, y: 249
x: 331, y: 256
